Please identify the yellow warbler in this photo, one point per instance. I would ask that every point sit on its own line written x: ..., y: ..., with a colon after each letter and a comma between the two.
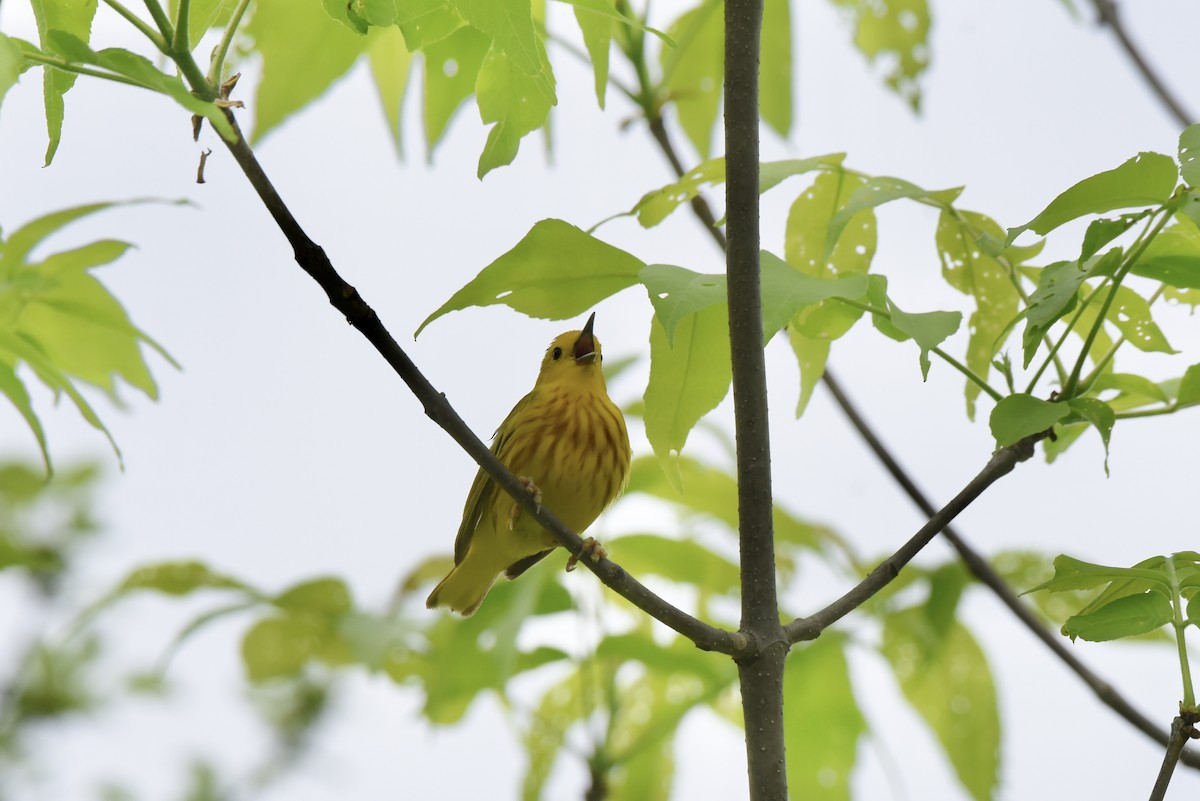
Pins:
x: 567, y: 441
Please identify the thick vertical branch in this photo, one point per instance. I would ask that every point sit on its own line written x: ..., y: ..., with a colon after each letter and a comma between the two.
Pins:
x: 761, y: 675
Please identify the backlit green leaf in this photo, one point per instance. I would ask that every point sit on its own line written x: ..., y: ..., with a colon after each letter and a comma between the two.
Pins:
x: 775, y: 67
x: 72, y: 17
x: 876, y: 192
x: 946, y: 678
x: 823, y: 723
x: 597, y: 30
x: 971, y: 270
x: 689, y: 376
x: 451, y: 68
x: 516, y: 102
x: 390, y: 67
x: 1100, y: 415
x: 1189, y: 155
x: 1020, y: 416
x: 682, y: 561
x: 894, y: 34
x: 177, y: 578
x: 695, y: 69
x: 557, y: 271
x: 787, y: 292
x: 10, y: 64
x: 325, y: 596
x: 1130, y: 313
x: 1189, y: 387
x: 303, y: 53
x: 509, y: 24
x: 1125, y: 617
x: 1145, y: 180
x: 424, y: 22
x: 1173, y: 256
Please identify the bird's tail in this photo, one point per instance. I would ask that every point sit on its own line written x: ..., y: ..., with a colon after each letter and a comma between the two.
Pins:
x: 464, y: 589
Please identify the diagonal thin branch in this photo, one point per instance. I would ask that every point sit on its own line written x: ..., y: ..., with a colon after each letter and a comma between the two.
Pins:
x: 1001, y: 464
x: 984, y: 572
x: 1109, y: 16
x: 345, y: 298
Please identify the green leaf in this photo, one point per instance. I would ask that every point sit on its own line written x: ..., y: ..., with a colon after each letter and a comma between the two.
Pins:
x: 347, y: 14
x: 876, y: 192
x: 203, y: 15
x: 676, y: 292
x: 689, y: 376
x: 787, y: 292
x: 73, y: 17
x: 390, y: 67
x: 805, y: 246
x: 1100, y: 415
x: 946, y: 678
x: 1020, y: 416
x: 823, y: 724
x: 140, y: 69
x: 10, y: 65
x: 303, y: 53
x: 424, y: 22
x: 1131, y: 385
x: 177, y: 578
x: 1173, y: 256
x: 1130, y: 313
x: 970, y: 269
x: 1075, y: 574
x: 1101, y: 232
x: 681, y: 561
x: 895, y: 35
x: 1189, y: 387
x: 711, y: 492
x: 1056, y: 295
x: 694, y: 71
x: 775, y: 67
x: 656, y: 206
x: 509, y: 24
x: 324, y: 596
x: 12, y: 388
x: 451, y: 68
x: 276, y: 647
x: 927, y: 329
x: 1147, y: 179
x: 516, y: 102
x: 1189, y: 155
x: 557, y: 271
x: 1130, y: 616
x: 597, y: 24
x: 811, y: 356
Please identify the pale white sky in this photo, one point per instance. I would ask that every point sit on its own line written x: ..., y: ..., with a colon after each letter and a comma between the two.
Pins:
x: 287, y: 449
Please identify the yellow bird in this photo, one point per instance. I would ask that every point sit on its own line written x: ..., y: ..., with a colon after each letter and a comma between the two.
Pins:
x: 568, y: 443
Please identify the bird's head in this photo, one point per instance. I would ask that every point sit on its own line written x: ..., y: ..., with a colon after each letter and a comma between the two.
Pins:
x: 573, y: 356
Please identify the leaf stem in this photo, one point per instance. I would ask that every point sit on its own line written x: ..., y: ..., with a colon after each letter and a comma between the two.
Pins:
x: 1139, y: 247
x: 68, y: 66
x: 218, y: 58
x: 1086, y: 383
x: 182, y: 36
x: 154, y: 36
x: 1180, y: 624
x: 971, y: 375
x: 161, y: 20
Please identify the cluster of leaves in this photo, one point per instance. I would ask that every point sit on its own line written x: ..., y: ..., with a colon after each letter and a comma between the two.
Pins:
x: 1134, y: 601
x: 822, y: 286
x: 57, y: 318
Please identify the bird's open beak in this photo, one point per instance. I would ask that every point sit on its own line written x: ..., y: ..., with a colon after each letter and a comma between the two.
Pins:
x: 585, y: 346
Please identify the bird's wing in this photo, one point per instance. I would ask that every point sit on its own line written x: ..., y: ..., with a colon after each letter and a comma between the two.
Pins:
x: 483, y: 488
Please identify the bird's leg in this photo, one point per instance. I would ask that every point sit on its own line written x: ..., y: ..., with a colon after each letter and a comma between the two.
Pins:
x: 592, y: 549
x: 534, y: 493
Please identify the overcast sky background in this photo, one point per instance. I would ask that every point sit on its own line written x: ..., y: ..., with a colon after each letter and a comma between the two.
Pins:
x: 287, y: 449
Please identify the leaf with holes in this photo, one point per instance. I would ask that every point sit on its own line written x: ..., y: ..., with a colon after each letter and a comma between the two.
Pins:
x: 876, y: 192
x: 1100, y: 415
x: 1189, y: 155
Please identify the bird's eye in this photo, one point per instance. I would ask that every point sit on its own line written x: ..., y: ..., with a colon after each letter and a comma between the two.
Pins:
x: 557, y: 354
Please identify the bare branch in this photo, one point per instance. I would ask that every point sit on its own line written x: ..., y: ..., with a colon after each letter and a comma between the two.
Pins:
x: 1183, y: 728
x: 345, y: 298
x: 1000, y: 465
x: 1107, y: 11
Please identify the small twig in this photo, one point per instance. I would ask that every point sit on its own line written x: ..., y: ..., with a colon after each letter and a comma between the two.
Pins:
x: 1001, y: 464
x: 345, y: 298
x: 1183, y: 728
x: 1107, y: 11
x: 204, y: 154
